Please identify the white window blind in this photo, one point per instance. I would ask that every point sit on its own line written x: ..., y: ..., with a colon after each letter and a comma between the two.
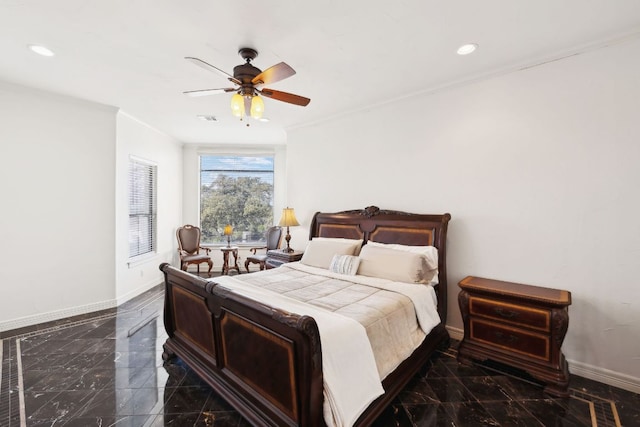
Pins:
x: 142, y: 207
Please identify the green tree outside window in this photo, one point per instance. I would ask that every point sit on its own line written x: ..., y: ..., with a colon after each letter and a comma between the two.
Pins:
x: 236, y: 190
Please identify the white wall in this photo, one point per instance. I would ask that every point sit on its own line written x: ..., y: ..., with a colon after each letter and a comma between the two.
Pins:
x: 57, y: 230
x: 539, y: 169
x: 135, y: 138
x: 64, y: 226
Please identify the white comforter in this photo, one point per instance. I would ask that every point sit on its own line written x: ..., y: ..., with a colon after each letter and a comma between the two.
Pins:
x: 340, y: 305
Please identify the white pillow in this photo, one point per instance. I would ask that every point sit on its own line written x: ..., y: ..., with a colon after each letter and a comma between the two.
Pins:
x: 345, y: 264
x: 396, y: 265
x: 320, y: 251
x: 340, y: 239
x: 431, y: 252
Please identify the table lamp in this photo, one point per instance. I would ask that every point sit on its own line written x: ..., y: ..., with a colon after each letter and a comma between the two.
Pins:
x: 228, y: 230
x: 288, y: 219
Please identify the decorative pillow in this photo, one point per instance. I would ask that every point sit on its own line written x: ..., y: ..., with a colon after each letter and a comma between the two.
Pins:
x: 431, y: 252
x: 396, y: 265
x: 320, y: 251
x: 345, y: 264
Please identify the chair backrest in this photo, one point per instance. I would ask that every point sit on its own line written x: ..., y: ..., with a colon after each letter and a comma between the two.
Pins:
x: 274, y: 237
x: 188, y: 238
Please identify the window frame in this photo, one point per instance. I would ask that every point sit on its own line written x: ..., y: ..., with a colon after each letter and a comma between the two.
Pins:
x: 152, y: 213
x: 274, y: 154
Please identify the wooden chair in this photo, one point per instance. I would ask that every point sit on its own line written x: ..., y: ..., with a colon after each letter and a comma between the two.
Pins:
x: 189, y: 248
x: 273, y: 237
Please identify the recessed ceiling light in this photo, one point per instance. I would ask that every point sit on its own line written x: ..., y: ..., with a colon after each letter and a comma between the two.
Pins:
x: 41, y: 50
x: 466, y: 49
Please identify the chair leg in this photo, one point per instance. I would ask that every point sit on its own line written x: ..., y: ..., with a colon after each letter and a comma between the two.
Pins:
x: 210, y: 267
x: 246, y: 265
x: 261, y: 265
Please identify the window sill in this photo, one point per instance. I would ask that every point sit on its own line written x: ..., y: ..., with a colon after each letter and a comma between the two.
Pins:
x: 141, y: 259
x: 213, y: 246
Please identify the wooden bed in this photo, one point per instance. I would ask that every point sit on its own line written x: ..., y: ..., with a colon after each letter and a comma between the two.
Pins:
x: 216, y: 332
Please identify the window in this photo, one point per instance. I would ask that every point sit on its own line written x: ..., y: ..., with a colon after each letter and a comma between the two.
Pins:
x: 236, y: 190
x: 142, y: 207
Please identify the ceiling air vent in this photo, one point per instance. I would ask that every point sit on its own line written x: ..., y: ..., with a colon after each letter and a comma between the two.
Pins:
x: 208, y: 118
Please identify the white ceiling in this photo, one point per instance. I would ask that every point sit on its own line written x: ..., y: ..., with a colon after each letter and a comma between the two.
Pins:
x: 347, y: 53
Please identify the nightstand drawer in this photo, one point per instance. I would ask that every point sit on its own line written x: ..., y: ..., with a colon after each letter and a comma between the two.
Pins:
x: 514, y: 314
x: 511, y: 339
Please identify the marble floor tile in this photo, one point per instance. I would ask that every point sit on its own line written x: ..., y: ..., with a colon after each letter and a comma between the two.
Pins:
x: 432, y: 414
x: 511, y: 413
x: 470, y: 414
x: 485, y: 389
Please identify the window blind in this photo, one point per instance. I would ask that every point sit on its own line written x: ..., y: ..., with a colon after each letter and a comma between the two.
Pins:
x: 142, y: 207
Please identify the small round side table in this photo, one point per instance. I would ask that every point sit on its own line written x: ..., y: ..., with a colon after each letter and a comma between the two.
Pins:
x: 225, y: 260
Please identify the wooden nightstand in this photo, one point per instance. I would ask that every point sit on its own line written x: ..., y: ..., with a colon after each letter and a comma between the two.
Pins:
x: 277, y: 257
x: 519, y: 325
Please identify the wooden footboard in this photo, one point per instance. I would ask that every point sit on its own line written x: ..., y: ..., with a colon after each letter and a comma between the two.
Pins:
x: 265, y: 362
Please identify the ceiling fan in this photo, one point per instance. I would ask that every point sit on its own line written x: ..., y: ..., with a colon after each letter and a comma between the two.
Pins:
x: 248, y: 81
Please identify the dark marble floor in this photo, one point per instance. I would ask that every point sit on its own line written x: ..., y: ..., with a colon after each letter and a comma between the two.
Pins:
x: 106, y: 369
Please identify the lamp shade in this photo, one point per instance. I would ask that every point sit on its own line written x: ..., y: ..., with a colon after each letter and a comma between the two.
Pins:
x: 237, y: 105
x: 288, y: 218
x: 257, y: 107
x: 228, y: 230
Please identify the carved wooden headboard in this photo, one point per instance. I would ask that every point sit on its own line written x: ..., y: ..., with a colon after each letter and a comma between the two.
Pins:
x: 385, y: 226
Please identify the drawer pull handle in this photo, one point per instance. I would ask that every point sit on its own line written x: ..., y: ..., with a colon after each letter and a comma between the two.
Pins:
x: 507, y: 314
x: 508, y: 338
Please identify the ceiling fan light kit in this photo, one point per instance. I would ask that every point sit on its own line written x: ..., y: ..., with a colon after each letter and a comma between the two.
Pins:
x: 247, y: 80
x: 237, y: 105
x: 257, y: 107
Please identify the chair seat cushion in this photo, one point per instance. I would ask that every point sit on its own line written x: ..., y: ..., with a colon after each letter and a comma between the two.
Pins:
x: 257, y: 258
x: 192, y: 258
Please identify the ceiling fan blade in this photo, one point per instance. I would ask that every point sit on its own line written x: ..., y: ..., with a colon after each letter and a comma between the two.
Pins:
x: 209, y: 67
x: 274, y: 74
x: 207, y: 92
x: 285, y: 97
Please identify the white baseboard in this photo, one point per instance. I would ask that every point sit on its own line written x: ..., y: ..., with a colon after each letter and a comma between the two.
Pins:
x: 35, y: 319
x: 612, y: 378
x: 139, y: 290
x: 605, y: 376
x: 455, y: 333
